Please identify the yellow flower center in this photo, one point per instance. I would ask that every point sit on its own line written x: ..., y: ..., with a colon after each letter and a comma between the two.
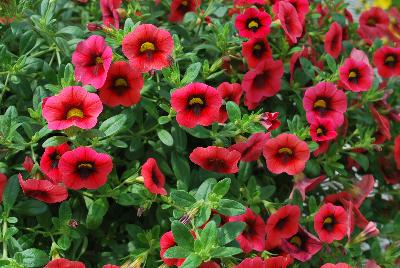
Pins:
x: 253, y: 24
x: 320, y: 104
x: 285, y: 150
x: 85, y: 165
x: 120, y: 82
x: 146, y: 46
x: 389, y: 59
x: 320, y: 131
x: 257, y: 47
x: 196, y: 101
x: 99, y: 60
x: 74, y: 112
x: 184, y: 3
x: 296, y: 240
x: 328, y: 220
x: 352, y: 74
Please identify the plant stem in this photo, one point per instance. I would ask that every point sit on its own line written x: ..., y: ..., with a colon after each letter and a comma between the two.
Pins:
x: 4, y: 231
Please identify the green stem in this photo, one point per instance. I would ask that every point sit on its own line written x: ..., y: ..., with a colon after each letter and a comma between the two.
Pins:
x: 4, y: 231
x: 4, y: 88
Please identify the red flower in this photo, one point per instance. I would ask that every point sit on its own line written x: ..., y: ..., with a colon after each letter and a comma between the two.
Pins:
x: 3, y: 183
x: 374, y: 24
x: 228, y: 92
x: 92, y: 59
x: 253, y: 23
x: 356, y: 75
x: 196, y: 104
x: 270, y: 120
x: 50, y: 159
x: 286, y: 153
x: 302, y: 7
x: 122, y: 86
x: 323, y: 129
x: 387, y: 60
x: 263, y: 81
x: 253, y: 236
x: 84, y: 168
x: 394, y: 24
x: 248, y: 2
x: 154, y: 180
x: 43, y: 190
x: 109, y: 11
x: 255, y: 50
x: 216, y: 159
x: 339, y: 265
x: 277, y: 262
x: 64, y: 263
x: 283, y: 224
x: 110, y: 266
x: 331, y: 223
x: 302, y: 246
x: 304, y: 185
x: 388, y: 168
x: 256, y: 262
x: 28, y: 164
x: 308, y: 53
x: 167, y: 241
x: 383, y: 126
x: 209, y: 264
x: 289, y: 18
x: 148, y: 48
x: 325, y: 101
x: 180, y: 7
x: 397, y: 151
x: 73, y: 106
x: 251, y: 149
x: 333, y: 40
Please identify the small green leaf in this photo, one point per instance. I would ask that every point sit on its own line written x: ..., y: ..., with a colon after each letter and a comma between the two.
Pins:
x: 54, y: 141
x: 113, y: 124
x: 182, y: 235
x: 229, y: 207
x: 182, y: 198
x: 176, y: 252
x: 192, y: 261
x: 10, y: 193
x: 31, y: 207
x: 32, y: 257
x: 165, y: 137
x: 230, y: 231
x: 222, y: 187
x: 361, y: 159
x: 223, y: 252
x: 233, y: 110
x: 191, y: 73
x: 97, y: 210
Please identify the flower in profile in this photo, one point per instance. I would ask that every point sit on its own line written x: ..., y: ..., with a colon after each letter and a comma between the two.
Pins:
x: 339, y: 265
x: 148, y: 48
x: 323, y: 129
x: 196, y: 104
x: 228, y: 92
x: 64, y: 263
x: 50, y: 159
x: 255, y: 50
x: 371, y: 264
x: 3, y: 183
x: 251, y: 149
x: 180, y: 7
x: 154, y: 179
x: 302, y: 246
x: 360, y: 190
x: 302, y: 8
x: 109, y: 12
x: 92, y: 59
x: 83, y: 167
x: 253, y: 23
x: 167, y: 241
x: 356, y: 75
x: 373, y: 23
x: 304, y: 185
x: 331, y: 223
x: 286, y: 13
x: 387, y: 60
x: 216, y: 159
x: 270, y: 120
x: 43, y: 190
x: 383, y: 126
x: 263, y: 81
x: 122, y: 86
x: 286, y: 153
x: 333, y: 40
x: 325, y: 101
x: 253, y: 236
x: 28, y: 164
x: 283, y: 224
x: 73, y: 106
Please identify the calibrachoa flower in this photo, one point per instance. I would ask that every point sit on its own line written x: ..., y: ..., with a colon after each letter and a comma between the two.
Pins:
x: 43, y: 190
x: 325, y: 101
x: 3, y: 183
x: 251, y: 149
x: 28, y: 164
x: 387, y: 60
x: 209, y: 264
x: 356, y: 75
x: 330, y: 223
x: 180, y: 7
x: 270, y: 120
x: 256, y: 262
x: 228, y: 92
x: 333, y: 40
x: 83, y: 167
x: 374, y: 24
x: 64, y: 263
x: 302, y: 7
x: 283, y: 224
x: 73, y: 106
x: 154, y: 180
x: 167, y: 241
x: 122, y: 86
x: 289, y: 18
x: 253, y: 236
x: 339, y: 265
x: 304, y: 185
x: 323, y: 129
x: 50, y: 159
x: 263, y: 81
x: 109, y: 11
x: 216, y: 159
x: 253, y: 23
x: 196, y: 104
x: 277, y: 262
x: 92, y: 59
x: 286, y: 153
x: 255, y: 50
x: 148, y: 48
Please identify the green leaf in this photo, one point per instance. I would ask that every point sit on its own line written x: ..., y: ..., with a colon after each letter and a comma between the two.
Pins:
x: 113, y: 124
x: 182, y: 198
x: 192, y: 261
x: 165, y: 137
x: 208, y: 235
x: 222, y: 187
x: 182, y: 235
x: 31, y: 207
x: 223, y: 252
x: 191, y: 73
x: 97, y: 210
x: 10, y: 193
x: 32, y: 257
x: 54, y: 141
x: 64, y: 242
x: 180, y: 167
x: 229, y: 207
x: 331, y: 63
x: 176, y: 252
x: 233, y: 110
x: 64, y: 212
x: 229, y: 232
x: 205, y: 188
x: 312, y: 204
x: 307, y: 67
x: 361, y: 159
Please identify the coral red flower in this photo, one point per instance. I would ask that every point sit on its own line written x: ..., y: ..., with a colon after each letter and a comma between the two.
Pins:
x: 43, y: 190
x: 209, y: 264
x: 50, y: 159
x: 251, y: 149
x: 28, y: 164
x: 255, y: 50
x: 3, y: 183
x: 289, y: 18
x: 263, y: 81
x: 248, y: 2
x: 387, y: 60
x: 109, y: 12
x: 216, y: 159
x: 83, y: 167
x: 383, y: 126
x: 196, y: 104
x: 339, y: 265
x: 180, y: 7
x: 333, y: 40
x: 64, y: 263
x: 331, y: 223
x: 286, y: 153
x: 253, y: 23
x: 323, y: 129
x: 270, y: 120
x: 253, y: 236
x: 397, y: 151
x: 148, y: 48
x: 73, y: 106
x: 302, y: 7
x: 92, y: 59
x: 356, y: 75
x: 325, y: 101
x: 154, y: 180
x: 228, y: 92
x: 304, y: 185
x: 283, y: 224
x: 302, y: 246
x: 167, y: 241
x: 387, y: 166
x: 277, y: 262
x: 122, y: 86
x: 374, y: 24
x: 256, y: 262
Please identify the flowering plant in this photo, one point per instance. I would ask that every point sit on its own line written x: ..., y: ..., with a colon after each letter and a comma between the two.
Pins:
x: 199, y: 133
